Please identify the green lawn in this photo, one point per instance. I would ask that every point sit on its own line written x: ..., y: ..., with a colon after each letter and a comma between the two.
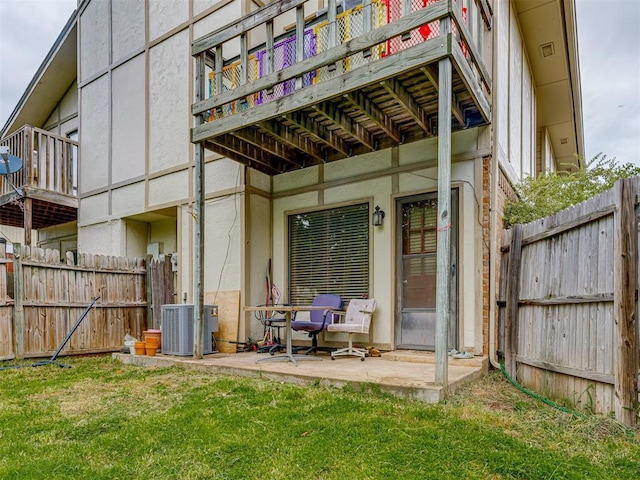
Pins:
x: 104, y: 420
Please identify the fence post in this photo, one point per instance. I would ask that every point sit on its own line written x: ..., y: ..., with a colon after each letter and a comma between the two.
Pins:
x: 18, y: 299
x: 512, y: 294
x: 626, y: 362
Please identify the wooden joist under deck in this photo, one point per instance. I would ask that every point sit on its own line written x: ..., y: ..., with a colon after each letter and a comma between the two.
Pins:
x: 47, y: 209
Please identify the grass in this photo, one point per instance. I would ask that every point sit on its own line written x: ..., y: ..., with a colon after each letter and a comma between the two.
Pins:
x: 104, y: 420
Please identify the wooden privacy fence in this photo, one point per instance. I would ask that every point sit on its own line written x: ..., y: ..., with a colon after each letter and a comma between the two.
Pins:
x: 49, y: 296
x: 569, y: 303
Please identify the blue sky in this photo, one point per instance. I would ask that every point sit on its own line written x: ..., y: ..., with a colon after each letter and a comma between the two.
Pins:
x: 609, y: 60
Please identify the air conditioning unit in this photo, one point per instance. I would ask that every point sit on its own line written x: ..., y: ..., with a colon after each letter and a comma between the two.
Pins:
x: 177, y: 328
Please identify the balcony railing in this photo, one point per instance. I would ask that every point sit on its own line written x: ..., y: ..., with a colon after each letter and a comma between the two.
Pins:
x: 49, y: 162
x: 318, y: 35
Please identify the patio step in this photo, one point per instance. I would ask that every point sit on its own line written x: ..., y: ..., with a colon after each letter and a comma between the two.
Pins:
x: 418, y: 356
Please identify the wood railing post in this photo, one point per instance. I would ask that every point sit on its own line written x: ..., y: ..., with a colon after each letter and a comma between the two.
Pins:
x: 367, y: 18
x: 406, y: 10
x: 512, y: 294
x: 625, y: 279
x: 332, y: 26
x: 269, y: 54
x: 27, y: 215
x: 299, y: 41
x: 18, y: 302
x: 28, y: 168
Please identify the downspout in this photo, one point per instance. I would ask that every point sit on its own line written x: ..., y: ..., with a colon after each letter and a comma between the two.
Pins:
x: 493, y: 256
x: 493, y: 209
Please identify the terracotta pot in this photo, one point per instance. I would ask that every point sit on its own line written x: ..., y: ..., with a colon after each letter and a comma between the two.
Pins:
x: 153, y: 334
x: 140, y: 348
x: 151, y: 351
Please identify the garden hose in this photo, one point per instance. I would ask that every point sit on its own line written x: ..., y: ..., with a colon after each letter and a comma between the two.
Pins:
x: 538, y: 397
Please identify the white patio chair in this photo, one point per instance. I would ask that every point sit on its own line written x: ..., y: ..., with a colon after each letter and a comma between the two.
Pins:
x: 356, y: 319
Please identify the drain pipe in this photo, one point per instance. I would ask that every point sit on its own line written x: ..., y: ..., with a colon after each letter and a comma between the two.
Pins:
x: 493, y: 215
x: 493, y: 256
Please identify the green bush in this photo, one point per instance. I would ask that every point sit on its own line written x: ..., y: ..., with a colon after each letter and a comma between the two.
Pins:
x: 554, y: 191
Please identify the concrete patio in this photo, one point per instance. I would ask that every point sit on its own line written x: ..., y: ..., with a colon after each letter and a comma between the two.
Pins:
x: 405, y: 374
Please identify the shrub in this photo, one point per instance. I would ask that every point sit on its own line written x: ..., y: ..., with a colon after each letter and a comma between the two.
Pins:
x: 554, y: 191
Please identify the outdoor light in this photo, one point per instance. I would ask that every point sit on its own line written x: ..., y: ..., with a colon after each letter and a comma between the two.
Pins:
x: 378, y: 215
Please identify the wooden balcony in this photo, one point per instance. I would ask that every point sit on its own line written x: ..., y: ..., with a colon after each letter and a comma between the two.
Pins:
x: 47, y: 183
x: 337, y: 84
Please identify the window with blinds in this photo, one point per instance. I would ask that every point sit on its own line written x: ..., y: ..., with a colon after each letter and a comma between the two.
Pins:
x: 329, y: 253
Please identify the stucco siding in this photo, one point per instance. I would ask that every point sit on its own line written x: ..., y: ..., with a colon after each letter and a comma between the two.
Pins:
x: 165, y: 232
x: 368, y: 163
x: 425, y: 150
x: 222, y: 174
x: 169, y: 106
x: 217, y: 19
x: 260, y: 181
x: 169, y: 188
x: 128, y: 27
x: 258, y: 256
x: 127, y: 200
x: 128, y: 125
x: 166, y: 15
x: 93, y: 209
x: 297, y: 178
x: 94, y: 39
x: 223, y: 228
x: 94, y: 137
x: 69, y: 103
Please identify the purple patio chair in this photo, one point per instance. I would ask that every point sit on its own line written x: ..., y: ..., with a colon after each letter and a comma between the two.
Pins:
x: 318, y: 321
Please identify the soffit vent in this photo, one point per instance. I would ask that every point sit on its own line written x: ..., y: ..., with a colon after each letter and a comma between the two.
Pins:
x: 547, y: 49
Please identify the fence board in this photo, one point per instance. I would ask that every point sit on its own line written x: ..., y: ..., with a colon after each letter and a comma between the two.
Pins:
x: 6, y: 308
x: 569, y: 292
x: 56, y: 294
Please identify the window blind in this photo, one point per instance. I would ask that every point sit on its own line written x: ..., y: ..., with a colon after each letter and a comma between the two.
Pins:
x: 329, y: 253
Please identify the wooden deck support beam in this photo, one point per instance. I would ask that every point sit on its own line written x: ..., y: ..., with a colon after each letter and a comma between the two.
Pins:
x: 432, y: 77
x: 319, y: 133
x: 329, y: 111
x: 287, y: 136
x: 404, y: 98
x: 198, y: 212
x: 375, y: 114
x: 27, y: 212
x: 266, y: 143
x: 242, y: 152
x: 443, y: 248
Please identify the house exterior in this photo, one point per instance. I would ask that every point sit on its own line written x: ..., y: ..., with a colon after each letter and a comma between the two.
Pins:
x: 302, y: 119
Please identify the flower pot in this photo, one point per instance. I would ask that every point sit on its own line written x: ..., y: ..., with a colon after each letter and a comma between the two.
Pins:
x: 151, y: 344
x: 153, y: 334
x: 140, y: 348
x: 151, y: 351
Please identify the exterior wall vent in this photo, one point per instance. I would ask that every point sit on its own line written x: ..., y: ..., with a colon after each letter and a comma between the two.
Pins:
x: 547, y: 49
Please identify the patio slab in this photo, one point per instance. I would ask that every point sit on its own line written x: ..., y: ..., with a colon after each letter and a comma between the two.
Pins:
x: 406, y: 375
